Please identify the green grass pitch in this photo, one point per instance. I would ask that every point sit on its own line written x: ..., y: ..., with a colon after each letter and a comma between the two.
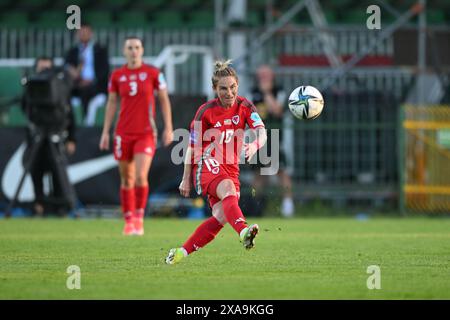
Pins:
x: 312, y: 258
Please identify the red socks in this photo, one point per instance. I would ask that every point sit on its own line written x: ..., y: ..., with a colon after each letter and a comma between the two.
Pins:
x: 233, y: 213
x: 204, y: 234
x: 127, y: 200
x: 208, y: 230
x: 133, y: 202
x: 141, y: 193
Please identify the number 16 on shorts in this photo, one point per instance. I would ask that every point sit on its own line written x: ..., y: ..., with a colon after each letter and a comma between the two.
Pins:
x: 212, y: 165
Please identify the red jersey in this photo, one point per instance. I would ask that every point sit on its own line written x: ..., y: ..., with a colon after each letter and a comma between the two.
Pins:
x: 218, y: 133
x: 137, y: 101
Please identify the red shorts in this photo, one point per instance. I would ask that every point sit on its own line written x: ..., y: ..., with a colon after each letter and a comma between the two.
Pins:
x: 125, y: 147
x: 207, y: 179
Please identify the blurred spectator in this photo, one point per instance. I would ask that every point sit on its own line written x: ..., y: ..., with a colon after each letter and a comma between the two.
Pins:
x: 44, y: 160
x: 237, y: 11
x: 269, y: 100
x: 87, y: 63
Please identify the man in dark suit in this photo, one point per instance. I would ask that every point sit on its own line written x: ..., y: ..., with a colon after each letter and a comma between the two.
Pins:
x: 87, y: 63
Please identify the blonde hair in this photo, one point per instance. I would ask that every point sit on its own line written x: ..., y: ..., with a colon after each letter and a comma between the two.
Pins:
x: 222, y: 69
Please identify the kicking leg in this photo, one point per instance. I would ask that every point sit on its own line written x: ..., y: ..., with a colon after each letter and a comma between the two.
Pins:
x: 204, y: 234
x: 226, y: 191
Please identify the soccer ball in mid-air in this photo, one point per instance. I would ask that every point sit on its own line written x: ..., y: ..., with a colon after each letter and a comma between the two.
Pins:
x: 306, y: 102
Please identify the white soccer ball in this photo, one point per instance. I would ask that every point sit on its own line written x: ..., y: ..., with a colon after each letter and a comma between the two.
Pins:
x: 306, y: 102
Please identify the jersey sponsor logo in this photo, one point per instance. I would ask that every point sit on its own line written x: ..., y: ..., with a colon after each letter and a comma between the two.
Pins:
x: 256, y: 119
x: 123, y: 78
x: 235, y: 119
x: 217, y: 125
x: 142, y: 76
x: 226, y: 122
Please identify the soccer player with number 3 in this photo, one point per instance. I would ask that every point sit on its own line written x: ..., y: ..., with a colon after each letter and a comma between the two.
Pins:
x: 216, y: 130
x: 135, y: 133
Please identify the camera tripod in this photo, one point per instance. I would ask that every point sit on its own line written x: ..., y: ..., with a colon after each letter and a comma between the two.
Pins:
x: 58, y: 163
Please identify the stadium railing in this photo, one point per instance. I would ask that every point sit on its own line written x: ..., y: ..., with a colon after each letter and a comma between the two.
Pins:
x: 424, y: 152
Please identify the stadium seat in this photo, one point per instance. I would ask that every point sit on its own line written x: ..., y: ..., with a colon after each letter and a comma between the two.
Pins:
x: 167, y: 19
x: 10, y: 79
x: 354, y: 17
x: 337, y: 4
x: 63, y: 4
x: 257, y: 4
x: 200, y: 19
x: 325, y: 5
x: 148, y: 5
x: 30, y: 5
x: 302, y: 18
x: 186, y: 4
x: 113, y: 4
x: 133, y: 19
x: 4, y: 3
x: 98, y: 19
x: 402, y: 5
x: 435, y: 16
x: 14, y: 20
x: 287, y: 4
x: 78, y: 114
x: 52, y: 19
x: 444, y: 5
x: 16, y: 117
x: 330, y: 16
x: 254, y: 19
x: 100, y: 116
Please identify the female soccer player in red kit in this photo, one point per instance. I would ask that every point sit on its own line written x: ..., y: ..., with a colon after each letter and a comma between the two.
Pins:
x: 212, y: 157
x: 135, y: 133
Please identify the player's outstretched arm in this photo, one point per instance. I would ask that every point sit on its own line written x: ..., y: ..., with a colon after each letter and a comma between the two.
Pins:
x: 251, y: 148
x: 166, y: 112
x: 185, y: 185
x: 110, y: 112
